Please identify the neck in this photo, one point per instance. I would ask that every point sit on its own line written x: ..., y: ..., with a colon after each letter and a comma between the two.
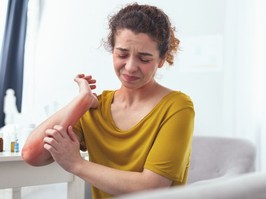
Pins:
x: 130, y: 96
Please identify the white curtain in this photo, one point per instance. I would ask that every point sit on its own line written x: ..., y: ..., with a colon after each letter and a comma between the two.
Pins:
x: 250, y: 75
x: 259, y: 78
x: 29, y: 89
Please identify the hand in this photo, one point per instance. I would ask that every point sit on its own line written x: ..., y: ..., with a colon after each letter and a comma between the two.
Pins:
x: 86, y: 85
x: 64, y: 147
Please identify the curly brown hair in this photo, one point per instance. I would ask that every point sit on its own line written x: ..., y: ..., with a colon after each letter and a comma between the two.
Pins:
x: 145, y: 19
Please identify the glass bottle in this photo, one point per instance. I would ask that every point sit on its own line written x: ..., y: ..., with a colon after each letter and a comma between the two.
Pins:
x: 1, y: 143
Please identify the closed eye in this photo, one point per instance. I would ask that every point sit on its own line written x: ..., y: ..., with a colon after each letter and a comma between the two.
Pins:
x: 122, y: 56
x: 145, y: 60
x: 145, y: 57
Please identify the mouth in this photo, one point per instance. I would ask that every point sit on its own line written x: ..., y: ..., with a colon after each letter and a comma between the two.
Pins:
x: 129, y: 78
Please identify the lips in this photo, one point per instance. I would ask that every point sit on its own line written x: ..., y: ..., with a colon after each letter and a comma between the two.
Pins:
x: 129, y: 78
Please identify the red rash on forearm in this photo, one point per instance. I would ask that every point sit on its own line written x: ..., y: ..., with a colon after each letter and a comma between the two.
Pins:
x: 32, y: 151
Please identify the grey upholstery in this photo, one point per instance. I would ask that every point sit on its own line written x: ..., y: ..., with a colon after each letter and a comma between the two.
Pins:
x: 221, y: 167
x: 220, y: 157
x: 245, y: 186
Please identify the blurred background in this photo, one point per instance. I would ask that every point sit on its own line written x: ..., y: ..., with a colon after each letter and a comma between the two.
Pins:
x: 221, y: 64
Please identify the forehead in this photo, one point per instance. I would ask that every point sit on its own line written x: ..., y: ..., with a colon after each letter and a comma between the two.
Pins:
x: 128, y: 39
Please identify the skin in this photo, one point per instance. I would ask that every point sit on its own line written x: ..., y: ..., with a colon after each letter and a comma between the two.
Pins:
x: 33, y: 151
x: 136, y: 60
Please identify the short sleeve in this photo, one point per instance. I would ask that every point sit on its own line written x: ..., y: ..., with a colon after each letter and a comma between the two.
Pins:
x: 170, y: 153
x: 79, y: 132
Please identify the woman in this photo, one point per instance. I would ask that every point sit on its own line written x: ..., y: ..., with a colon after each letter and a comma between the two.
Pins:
x: 139, y: 136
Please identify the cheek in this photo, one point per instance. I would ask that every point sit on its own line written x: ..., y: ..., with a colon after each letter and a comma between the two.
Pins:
x: 149, y: 69
x: 118, y: 63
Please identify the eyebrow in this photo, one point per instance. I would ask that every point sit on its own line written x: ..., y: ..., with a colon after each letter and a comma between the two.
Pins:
x: 141, y: 53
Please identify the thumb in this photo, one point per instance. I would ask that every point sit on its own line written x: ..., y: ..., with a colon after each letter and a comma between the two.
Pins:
x: 78, y: 77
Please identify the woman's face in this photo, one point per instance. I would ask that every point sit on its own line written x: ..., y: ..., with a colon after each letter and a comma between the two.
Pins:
x: 136, y: 58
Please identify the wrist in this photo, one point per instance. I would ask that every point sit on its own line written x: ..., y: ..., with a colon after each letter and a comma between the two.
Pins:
x: 77, y: 167
x: 86, y: 100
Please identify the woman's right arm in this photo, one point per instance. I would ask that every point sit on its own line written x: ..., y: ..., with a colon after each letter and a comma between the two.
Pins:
x: 33, y: 151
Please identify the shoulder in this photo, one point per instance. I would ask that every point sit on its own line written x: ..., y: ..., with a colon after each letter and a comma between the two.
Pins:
x: 179, y: 100
x: 106, y: 94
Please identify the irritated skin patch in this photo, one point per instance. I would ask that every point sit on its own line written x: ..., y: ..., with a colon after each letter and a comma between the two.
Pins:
x: 30, y: 153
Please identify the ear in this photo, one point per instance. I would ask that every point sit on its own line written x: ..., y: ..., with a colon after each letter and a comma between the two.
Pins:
x: 162, y: 61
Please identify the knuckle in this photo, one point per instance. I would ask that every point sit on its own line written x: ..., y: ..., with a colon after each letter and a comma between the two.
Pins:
x: 58, y: 127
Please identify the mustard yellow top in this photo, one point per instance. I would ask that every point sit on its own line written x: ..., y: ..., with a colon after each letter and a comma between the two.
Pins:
x: 160, y: 142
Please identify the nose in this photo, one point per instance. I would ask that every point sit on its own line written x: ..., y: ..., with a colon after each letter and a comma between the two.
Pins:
x: 131, y: 65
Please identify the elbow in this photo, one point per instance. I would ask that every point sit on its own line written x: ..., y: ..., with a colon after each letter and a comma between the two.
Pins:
x: 35, y: 157
x: 28, y: 156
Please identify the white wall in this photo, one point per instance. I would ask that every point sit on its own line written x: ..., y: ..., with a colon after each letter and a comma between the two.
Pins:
x: 65, y: 36
x: 69, y: 42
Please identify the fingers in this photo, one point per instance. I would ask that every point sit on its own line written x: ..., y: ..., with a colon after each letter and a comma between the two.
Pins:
x: 62, y: 144
x: 88, y: 78
x: 53, y: 137
x: 50, y: 144
x: 61, y: 131
x: 58, y: 135
x: 57, y: 132
x: 92, y: 86
x: 72, y: 134
x: 80, y: 77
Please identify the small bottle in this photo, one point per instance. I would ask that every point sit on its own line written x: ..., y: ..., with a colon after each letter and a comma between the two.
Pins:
x: 13, y: 141
x: 16, y: 146
x: 12, y: 146
x: 1, y: 143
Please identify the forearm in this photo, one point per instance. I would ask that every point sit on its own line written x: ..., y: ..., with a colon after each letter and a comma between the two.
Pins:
x: 117, y: 182
x: 33, y: 151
